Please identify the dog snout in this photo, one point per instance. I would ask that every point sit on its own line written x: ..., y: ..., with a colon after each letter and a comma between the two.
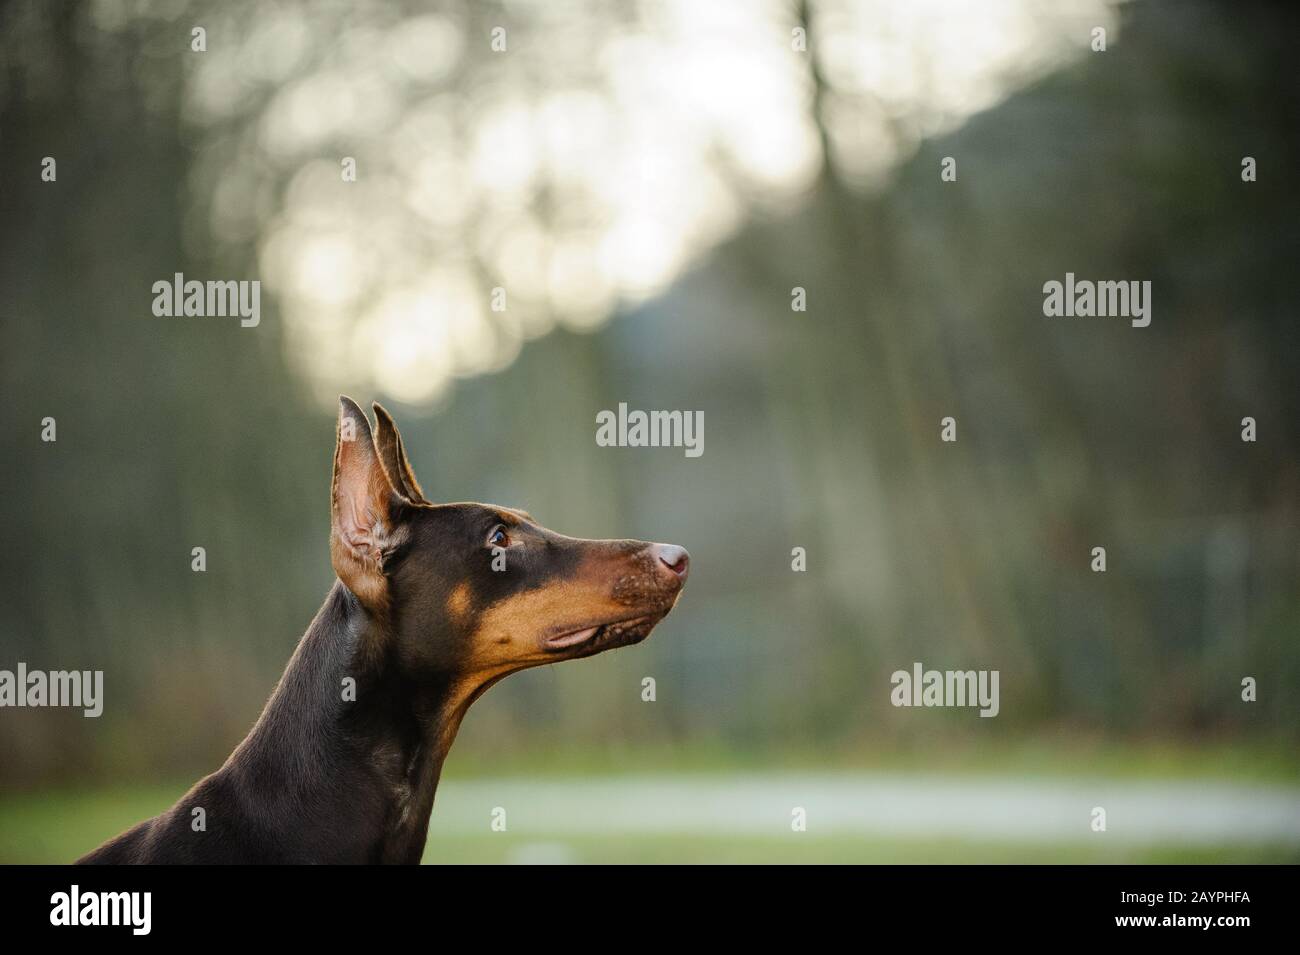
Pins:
x: 672, y: 561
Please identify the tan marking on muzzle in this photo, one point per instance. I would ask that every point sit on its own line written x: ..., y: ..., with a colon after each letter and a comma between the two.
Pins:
x: 458, y: 603
x: 509, y: 630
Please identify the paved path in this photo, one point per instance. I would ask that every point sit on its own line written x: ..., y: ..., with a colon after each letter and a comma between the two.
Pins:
x: 869, y: 804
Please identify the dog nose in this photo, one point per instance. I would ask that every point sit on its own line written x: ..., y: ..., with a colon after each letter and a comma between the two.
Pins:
x: 674, y: 558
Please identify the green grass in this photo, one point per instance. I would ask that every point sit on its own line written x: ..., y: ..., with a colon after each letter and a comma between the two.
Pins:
x: 57, y: 828
x: 1039, y: 757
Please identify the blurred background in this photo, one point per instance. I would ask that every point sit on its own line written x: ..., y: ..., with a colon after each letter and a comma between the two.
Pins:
x: 648, y: 182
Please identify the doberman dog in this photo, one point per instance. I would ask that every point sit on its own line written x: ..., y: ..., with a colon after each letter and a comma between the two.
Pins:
x: 433, y: 604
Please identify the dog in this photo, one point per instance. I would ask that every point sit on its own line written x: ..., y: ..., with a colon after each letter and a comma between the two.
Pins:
x: 433, y: 604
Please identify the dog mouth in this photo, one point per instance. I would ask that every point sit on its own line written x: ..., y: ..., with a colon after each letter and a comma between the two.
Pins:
x: 603, y: 635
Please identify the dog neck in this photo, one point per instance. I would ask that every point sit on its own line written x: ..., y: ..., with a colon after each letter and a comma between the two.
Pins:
x: 346, y: 756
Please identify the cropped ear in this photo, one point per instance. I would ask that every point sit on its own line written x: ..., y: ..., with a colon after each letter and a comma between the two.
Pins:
x: 392, y: 454
x: 365, y: 510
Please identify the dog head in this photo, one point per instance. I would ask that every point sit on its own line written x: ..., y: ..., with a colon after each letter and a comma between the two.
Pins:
x: 478, y: 591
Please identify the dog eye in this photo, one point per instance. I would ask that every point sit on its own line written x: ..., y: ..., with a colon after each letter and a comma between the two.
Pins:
x: 499, y: 537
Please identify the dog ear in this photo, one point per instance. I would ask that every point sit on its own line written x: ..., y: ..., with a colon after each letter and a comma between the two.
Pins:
x: 392, y: 454
x: 366, y: 510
